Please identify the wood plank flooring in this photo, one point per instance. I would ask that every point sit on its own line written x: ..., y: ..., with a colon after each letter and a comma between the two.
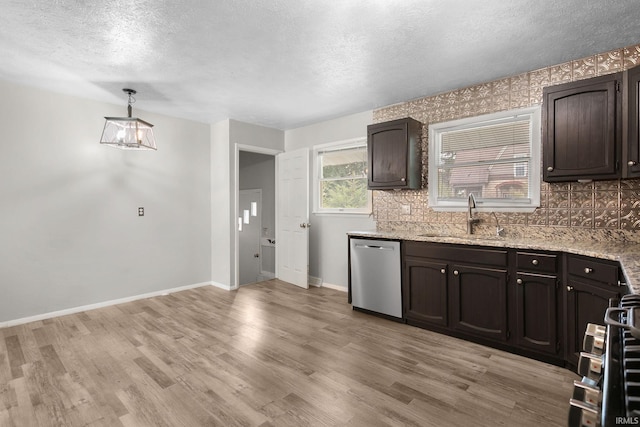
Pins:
x: 269, y: 354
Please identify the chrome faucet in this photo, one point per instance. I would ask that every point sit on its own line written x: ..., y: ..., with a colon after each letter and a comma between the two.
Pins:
x: 470, y: 219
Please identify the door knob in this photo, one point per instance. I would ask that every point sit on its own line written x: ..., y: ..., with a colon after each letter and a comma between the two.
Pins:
x: 588, y: 270
x: 303, y: 225
x: 550, y: 168
x: 632, y: 163
x: 569, y: 288
x: 456, y: 272
x: 443, y: 271
x: 534, y: 262
x: 519, y: 281
x: 256, y: 255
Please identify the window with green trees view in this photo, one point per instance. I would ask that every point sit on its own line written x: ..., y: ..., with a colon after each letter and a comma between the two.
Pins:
x: 341, y: 178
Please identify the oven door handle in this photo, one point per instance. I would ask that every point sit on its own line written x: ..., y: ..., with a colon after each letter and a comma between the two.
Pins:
x: 611, y: 311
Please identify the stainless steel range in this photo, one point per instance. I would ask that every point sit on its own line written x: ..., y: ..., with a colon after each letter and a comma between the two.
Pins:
x: 609, y: 393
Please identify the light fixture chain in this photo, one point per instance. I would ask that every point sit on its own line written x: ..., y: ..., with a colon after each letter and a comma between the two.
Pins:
x: 132, y: 99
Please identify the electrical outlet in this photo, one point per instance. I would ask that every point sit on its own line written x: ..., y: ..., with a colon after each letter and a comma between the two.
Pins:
x: 406, y: 209
x: 140, y: 211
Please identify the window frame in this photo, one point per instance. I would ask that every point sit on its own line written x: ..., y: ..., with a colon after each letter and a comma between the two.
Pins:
x: 532, y: 169
x: 337, y: 146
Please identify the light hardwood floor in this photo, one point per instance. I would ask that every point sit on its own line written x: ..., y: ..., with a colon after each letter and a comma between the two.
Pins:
x: 269, y: 354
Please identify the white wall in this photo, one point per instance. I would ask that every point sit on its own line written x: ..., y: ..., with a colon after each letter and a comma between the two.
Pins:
x: 224, y: 190
x: 70, y: 232
x: 221, y: 206
x: 328, y: 240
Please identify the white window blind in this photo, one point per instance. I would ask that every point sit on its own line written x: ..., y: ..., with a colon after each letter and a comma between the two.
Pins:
x: 488, y: 156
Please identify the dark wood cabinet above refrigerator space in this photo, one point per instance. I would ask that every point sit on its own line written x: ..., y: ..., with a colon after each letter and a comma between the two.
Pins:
x: 395, y: 155
x: 582, y: 130
x: 631, y: 120
x: 591, y: 128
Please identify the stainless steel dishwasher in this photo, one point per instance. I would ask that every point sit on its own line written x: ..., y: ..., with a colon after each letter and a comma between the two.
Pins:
x: 375, y: 276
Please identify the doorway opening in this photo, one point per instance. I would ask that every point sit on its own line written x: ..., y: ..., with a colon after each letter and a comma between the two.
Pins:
x: 256, y: 217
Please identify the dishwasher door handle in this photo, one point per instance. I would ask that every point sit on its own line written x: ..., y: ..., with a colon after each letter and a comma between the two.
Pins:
x: 383, y: 248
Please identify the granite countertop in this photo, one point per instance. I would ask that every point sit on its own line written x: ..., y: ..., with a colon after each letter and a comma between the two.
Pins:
x: 627, y: 253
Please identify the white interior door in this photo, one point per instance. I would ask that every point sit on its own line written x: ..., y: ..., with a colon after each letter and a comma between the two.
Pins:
x: 292, y: 207
x: 249, y: 228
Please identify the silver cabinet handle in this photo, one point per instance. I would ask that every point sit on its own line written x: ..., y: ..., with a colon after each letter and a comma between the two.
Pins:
x: 456, y: 272
x: 519, y: 281
x: 535, y: 262
x: 443, y: 271
x: 632, y: 163
x: 382, y: 248
x: 569, y: 288
x: 550, y: 168
x: 588, y: 270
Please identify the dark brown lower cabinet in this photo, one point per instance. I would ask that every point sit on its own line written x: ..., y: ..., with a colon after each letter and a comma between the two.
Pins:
x: 537, y: 311
x: 425, y: 292
x: 534, y: 303
x: 479, y: 301
x: 586, y: 303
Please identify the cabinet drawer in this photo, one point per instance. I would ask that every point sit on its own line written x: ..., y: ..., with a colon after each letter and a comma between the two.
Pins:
x: 535, y: 262
x: 589, y: 268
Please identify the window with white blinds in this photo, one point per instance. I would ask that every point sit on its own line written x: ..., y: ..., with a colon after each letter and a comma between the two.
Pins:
x: 495, y: 157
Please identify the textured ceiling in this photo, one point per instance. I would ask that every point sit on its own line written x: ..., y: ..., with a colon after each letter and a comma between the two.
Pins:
x: 288, y: 63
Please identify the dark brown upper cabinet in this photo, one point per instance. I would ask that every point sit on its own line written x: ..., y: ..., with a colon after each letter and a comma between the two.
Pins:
x: 395, y: 154
x: 582, y: 130
x: 631, y: 167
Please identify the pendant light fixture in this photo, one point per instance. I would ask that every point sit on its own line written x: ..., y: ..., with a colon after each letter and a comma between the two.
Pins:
x: 128, y: 133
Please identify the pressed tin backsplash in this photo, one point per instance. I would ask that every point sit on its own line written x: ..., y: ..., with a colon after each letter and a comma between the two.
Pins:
x: 599, y: 209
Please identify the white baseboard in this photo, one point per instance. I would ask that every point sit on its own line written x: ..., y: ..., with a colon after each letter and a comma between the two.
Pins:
x: 332, y: 286
x: 220, y: 285
x: 74, y: 310
x: 314, y: 281
x: 266, y: 275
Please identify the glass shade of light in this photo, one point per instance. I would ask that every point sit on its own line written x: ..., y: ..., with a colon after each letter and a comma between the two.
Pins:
x: 128, y: 133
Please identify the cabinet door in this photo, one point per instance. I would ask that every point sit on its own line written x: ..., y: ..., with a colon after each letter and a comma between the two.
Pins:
x: 586, y: 303
x: 387, y: 147
x: 582, y: 130
x: 479, y: 305
x: 395, y: 154
x: 537, y: 312
x: 632, y: 158
x: 425, y: 291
